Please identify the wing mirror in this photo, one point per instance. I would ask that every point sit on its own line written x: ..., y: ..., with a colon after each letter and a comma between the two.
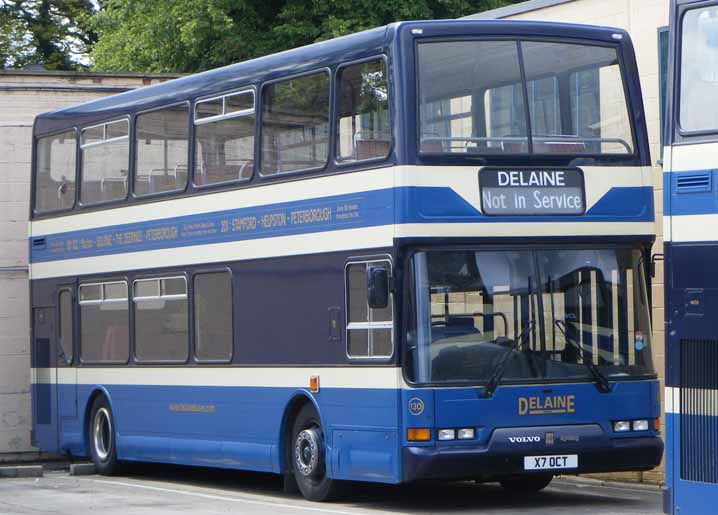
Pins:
x: 377, y: 283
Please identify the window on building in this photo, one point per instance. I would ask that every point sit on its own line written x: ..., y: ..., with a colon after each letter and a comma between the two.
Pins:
x: 363, y: 123
x: 161, y: 319
x: 224, y: 139
x: 213, y: 316
x: 295, y: 124
x: 55, y: 172
x: 161, y: 141
x: 104, y: 323
x: 699, y: 70
x: 105, y: 162
x: 66, y: 325
x: 369, y: 331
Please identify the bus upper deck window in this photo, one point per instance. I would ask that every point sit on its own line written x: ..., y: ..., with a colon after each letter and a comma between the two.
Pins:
x: 55, y: 172
x: 295, y: 124
x: 363, y: 125
x: 224, y: 139
x: 105, y: 162
x: 162, y: 150
x: 486, y: 97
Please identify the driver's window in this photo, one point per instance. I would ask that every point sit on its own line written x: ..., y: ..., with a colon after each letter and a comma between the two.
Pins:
x: 370, y: 331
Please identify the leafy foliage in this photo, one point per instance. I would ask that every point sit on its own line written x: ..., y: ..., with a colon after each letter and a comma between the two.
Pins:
x: 195, y: 35
x: 54, y: 33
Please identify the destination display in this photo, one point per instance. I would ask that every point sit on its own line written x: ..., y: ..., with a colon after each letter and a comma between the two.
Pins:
x: 531, y: 192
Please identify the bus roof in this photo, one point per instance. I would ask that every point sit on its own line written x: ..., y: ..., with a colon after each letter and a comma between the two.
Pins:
x: 300, y: 60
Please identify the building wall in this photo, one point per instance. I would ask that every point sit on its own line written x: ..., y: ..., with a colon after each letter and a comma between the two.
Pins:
x: 642, y: 19
x: 22, y: 96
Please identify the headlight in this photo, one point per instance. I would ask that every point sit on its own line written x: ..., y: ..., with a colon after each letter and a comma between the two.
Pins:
x: 621, y: 426
x: 466, y: 433
x: 446, y: 434
x: 640, y: 425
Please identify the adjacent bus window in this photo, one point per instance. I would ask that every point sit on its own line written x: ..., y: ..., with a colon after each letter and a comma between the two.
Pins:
x: 363, y: 124
x: 55, y: 176
x: 369, y: 331
x: 295, y: 124
x: 66, y: 326
x: 104, y: 322
x: 161, y: 319
x: 213, y: 316
x: 162, y: 147
x: 105, y: 162
x: 224, y: 139
x: 699, y: 70
x: 473, y: 98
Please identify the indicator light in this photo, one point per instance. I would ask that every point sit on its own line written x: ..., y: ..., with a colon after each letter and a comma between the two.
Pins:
x: 421, y: 434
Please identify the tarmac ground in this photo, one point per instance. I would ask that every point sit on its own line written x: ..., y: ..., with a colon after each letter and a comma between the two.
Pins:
x: 162, y: 489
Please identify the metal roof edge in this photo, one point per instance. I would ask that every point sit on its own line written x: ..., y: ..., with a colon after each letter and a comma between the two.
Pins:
x: 512, y: 10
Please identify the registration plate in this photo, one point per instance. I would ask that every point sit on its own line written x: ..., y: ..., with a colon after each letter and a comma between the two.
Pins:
x: 567, y: 461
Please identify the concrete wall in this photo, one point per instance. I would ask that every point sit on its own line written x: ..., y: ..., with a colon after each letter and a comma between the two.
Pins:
x: 641, y: 18
x: 22, y: 96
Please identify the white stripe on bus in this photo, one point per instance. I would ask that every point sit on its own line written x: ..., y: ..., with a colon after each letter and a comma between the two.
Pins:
x: 703, y: 156
x: 708, y: 400
x: 385, y: 377
x: 687, y: 228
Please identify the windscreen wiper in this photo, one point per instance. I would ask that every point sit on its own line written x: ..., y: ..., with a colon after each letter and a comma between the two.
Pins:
x: 493, y: 381
x: 601, y: 382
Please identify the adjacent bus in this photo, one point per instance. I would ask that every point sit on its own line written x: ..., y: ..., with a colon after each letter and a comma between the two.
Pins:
x: 691, y: 231
x: 416, y: 252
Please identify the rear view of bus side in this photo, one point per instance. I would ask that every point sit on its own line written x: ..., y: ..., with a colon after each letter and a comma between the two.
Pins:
x: 416, y: 252
x: 690, y: 175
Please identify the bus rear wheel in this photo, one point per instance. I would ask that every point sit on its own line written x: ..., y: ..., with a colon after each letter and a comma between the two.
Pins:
x: 532, y: 483
x: 308, y: 455
x: 103, y: 449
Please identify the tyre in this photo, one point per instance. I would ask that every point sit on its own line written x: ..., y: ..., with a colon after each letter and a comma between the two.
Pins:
x: 526, y: 484
x: 308, y: 455
x: 102, y: 438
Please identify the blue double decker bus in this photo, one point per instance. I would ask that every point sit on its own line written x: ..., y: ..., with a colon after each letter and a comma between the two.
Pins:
x: 690, y: 167
x: 416, y: 252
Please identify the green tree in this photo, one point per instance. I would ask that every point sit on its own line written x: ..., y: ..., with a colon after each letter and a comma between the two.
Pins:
x: 194, y: 35
x: 54, y: 33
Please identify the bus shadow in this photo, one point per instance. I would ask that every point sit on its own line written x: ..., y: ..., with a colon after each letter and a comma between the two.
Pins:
x: 425, y: 497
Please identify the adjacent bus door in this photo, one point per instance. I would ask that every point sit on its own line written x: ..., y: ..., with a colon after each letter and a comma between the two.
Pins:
x: 44, y: 388
x: 691, y: 251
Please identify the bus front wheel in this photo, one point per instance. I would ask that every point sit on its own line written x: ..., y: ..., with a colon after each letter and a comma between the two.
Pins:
x: 101, y: 434
x: 309, y: 457
x: 532, y: 483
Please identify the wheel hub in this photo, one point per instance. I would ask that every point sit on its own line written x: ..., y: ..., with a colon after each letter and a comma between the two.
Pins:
x: 102, y: 434
x: 307, y: 448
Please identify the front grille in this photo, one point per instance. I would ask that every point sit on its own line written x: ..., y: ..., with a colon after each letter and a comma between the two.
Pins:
x: 699, y: 410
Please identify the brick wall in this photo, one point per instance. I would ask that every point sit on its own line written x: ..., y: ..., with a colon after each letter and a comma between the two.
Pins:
x: 22, y: 96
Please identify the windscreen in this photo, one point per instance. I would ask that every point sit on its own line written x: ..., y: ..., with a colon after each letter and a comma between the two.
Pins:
x: 520, y: 97
x: 558, y: 310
